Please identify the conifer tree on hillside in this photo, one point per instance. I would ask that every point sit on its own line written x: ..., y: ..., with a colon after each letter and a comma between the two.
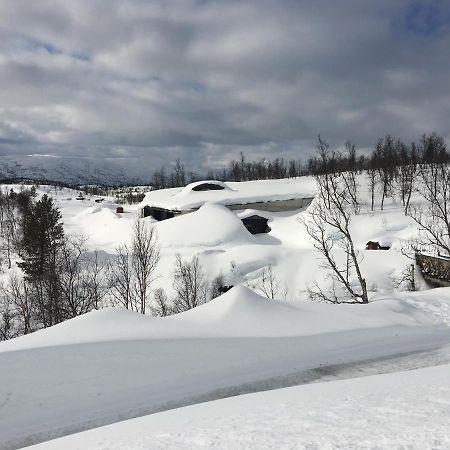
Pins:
x: 42, y: 236
x: 39, y: 247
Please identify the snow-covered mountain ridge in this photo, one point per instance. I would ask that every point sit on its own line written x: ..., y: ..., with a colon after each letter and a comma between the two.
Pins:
x: 75, y: 170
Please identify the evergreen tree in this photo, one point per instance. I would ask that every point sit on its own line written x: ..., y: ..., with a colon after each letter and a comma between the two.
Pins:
x: 40, y: 248
x: 42, y: 235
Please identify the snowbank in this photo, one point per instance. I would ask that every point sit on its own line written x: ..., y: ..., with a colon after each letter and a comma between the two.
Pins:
x: 210, y: 226
x: 238, y: 313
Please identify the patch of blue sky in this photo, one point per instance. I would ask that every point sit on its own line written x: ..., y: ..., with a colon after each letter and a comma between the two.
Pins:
x: 426, y: 18
x: 37, y: 45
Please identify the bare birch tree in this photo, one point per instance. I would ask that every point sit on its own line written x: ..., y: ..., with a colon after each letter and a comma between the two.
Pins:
x: 131, y: 271
x: 161, y: 306
x: 268, y: 284
x: 120, y: 278
x: 145, y: 257
x: 327, y: 222
x: 433, y: 217
x: 189, y: 283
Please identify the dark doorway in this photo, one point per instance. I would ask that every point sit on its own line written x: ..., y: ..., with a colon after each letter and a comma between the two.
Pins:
x: 256, y: 224
x: 157, y: 213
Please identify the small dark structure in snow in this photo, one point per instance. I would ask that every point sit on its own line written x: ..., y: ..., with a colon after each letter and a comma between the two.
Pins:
x: 256, y: 224
x: 119, y: 210
x: 208, y: 187
x: 223, y: 289
x: 376, y: 246
x: 157, y: 213
x: 99, y: 200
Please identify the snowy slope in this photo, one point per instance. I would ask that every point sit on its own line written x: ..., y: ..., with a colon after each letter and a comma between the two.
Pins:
x: 400, y: 410
x: 112, y: 365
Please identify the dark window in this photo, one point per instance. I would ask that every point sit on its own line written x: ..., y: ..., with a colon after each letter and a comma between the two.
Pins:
x: 256, y: 224
x: 208, y: 187
x: 158, y: 213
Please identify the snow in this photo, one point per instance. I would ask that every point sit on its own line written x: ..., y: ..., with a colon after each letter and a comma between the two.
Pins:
x: 238, y: 313
x: 219, y: 226
x: 75, y: 170
x: 235, y: 193
x: 112, y: 365
x: 399, y: 410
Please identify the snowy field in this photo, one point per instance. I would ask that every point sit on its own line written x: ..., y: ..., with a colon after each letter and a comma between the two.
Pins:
x: 112, y: 365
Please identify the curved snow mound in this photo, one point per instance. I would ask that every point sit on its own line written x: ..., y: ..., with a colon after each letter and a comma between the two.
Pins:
x: 243, y: 312
x: 108, y: 324
x: 209, y: 226
x: 242, y: 306
x: 238, y: 313
x: 194, y: 188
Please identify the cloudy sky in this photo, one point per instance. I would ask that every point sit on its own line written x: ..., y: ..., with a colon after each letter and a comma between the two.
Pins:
x: 204, y: 80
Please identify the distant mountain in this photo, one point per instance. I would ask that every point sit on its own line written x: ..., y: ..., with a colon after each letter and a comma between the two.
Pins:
x: 72, y: 170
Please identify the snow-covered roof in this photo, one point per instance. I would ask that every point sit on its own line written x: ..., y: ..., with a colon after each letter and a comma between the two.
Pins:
x: 231, y: 193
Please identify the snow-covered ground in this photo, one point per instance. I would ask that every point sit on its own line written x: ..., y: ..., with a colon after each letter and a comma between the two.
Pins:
x: 403, y: 410
x: 112, y: 365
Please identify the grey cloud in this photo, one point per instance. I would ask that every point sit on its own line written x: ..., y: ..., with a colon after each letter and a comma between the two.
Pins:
x: 204, y: 80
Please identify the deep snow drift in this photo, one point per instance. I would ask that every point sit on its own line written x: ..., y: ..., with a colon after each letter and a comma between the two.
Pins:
x: 237, y: 313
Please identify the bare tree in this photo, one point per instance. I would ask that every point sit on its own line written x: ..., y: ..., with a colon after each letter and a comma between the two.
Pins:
x: 406, y: 279
x: 217, y: 285
x: 385, y: 156
x: 189, y: 284
x: 18, y: 294
x: 268, y: 284
x: 145, y: 257
x: 372, y: 175
x: 328, y: 222
x: 120, y: 278
x: 349, y: 173
x: 406, y: 172
x: 75, y: 295
x: 433, y: 218
x: 131, y: 271
x: 95, y: 280
x: 161, y: 306
x: 8, y: 227
x: 7, y: 330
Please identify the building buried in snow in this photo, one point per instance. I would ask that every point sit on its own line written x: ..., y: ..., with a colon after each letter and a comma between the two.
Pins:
x: 261, y: 195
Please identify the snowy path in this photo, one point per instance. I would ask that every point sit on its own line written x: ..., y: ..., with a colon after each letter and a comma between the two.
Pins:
x: 100, y: 383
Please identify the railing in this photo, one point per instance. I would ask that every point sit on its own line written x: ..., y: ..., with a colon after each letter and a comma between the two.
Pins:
x: 435, y: 270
